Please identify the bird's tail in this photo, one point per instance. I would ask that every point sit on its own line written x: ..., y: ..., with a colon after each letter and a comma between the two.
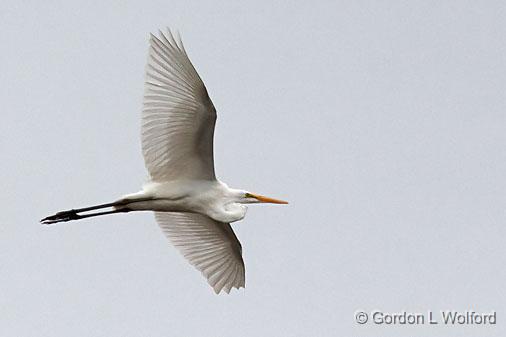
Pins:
x: 76, y: 214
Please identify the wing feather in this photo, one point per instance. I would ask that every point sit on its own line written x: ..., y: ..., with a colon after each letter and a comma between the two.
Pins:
x: 178, y: 116
x: 210, y: 246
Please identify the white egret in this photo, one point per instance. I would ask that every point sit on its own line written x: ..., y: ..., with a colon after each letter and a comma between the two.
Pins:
x: 192, y: 207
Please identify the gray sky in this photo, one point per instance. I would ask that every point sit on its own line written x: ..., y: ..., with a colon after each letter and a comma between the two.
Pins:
x: 383, y: 123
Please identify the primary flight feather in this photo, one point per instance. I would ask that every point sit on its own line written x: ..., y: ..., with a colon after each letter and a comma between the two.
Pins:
x: 192, y: 207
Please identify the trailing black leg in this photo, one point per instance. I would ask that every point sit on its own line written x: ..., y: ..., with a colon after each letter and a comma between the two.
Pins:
x: 119, y: 206
x: 72, y: 215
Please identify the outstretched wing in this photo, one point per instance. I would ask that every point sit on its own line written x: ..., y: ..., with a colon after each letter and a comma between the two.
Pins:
x: 178, y: 116
x: 210, y: 246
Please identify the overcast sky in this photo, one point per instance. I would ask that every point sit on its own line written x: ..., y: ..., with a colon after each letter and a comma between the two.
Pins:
x: 383, y: 123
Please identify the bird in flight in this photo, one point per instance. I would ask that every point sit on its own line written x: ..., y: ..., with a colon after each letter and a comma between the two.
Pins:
x: 193, y: 208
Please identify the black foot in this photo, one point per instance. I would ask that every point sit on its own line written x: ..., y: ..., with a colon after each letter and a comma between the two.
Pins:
x: 60, y: 217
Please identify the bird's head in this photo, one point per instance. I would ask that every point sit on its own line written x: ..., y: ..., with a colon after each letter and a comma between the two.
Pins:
x: 234, y: 206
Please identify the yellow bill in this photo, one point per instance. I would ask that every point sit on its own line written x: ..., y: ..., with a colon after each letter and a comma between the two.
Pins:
x: 265, y: 199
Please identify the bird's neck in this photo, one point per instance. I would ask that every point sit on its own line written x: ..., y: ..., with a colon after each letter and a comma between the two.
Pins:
x: 232, y: 212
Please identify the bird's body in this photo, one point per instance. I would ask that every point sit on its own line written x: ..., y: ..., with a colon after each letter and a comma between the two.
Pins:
x: 193, y: 208
x: 209, y: 197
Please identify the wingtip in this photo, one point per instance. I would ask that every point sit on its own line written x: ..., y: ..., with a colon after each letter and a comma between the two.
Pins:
x: 227, y: 290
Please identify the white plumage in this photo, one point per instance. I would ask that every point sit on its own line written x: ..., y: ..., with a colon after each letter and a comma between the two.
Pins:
x: 178, y: 117
x: 210, y: 246
x: 192, y: 207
